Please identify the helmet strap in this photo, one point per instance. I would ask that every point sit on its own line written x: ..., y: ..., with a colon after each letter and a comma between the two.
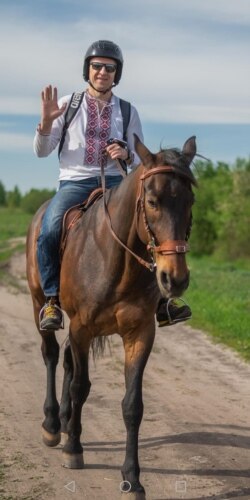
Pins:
x: 101, y: 91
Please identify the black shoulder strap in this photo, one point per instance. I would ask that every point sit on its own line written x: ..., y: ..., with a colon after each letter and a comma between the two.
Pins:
x: 74, y: 105
x: 126, y: 111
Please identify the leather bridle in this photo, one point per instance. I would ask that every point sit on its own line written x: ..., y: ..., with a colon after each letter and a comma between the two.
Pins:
x: 168, y: 247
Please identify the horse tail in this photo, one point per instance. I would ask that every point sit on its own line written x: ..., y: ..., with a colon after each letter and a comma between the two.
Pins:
x: 98, y: 347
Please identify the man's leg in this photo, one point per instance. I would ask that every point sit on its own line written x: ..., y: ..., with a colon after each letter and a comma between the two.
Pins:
x: 69, y: 194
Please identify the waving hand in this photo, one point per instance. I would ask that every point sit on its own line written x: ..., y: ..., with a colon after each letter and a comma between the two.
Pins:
x: 50, y: 110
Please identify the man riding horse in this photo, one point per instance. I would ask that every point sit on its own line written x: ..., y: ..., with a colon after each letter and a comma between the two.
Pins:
x: 86, y: 147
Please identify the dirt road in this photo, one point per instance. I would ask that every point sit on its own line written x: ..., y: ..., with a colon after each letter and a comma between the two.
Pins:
x: 195, y: 436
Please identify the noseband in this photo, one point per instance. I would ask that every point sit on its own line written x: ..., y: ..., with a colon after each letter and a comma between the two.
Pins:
x: 168, y: 247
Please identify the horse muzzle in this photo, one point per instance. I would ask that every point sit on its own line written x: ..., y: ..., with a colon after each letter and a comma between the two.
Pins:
x: 172, y: 272
x: 172, y: 285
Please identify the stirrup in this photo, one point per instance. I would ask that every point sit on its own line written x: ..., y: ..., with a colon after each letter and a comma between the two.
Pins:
x: 176, y: 320
x: 41, y: 317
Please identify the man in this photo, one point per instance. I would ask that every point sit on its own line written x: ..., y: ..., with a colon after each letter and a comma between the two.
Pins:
x: 84, y: 150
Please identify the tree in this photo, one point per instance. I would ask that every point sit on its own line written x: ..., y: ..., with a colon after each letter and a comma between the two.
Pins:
x: 234, y: 240
x: 32, y: 200
x: 204, y: 234
x: 2, y: 194
x: 14, y: 198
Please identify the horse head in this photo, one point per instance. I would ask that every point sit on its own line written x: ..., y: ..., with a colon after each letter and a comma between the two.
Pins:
x: 165, y: 212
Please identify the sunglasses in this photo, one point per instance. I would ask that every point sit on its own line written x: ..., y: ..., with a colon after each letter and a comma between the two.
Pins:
x: 109, y: 67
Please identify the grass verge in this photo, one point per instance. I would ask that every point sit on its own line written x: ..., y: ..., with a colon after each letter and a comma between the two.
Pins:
x: 219, y: 292
x: 219, y: 296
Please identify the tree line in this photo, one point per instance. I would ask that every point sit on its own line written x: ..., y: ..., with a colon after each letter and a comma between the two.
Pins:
x: 221, y: 213
x: 29, y: 202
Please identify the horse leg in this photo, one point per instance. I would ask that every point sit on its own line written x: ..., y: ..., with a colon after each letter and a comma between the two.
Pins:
x: 51, y: 424
x: 137, y: 350
x: 79, y: 391
x: 65, y: 406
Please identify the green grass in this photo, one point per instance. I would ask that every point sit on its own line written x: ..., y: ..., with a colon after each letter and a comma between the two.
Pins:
x: 219, y: 296
x: 14, y: 224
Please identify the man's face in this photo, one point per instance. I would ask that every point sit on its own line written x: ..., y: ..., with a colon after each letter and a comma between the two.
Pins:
x: 102, y: 72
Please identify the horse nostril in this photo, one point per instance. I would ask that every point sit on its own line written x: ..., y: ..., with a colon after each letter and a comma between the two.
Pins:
x: 164, y: 279
x: 175, y: 285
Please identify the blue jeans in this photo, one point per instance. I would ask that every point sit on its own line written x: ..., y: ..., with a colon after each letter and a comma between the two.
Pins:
x: 70, y: 193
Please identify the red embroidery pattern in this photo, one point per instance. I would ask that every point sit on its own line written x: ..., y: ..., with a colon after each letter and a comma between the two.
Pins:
x: 97, y: 133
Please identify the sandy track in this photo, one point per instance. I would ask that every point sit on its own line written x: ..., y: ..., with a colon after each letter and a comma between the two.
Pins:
x: 195, y: 436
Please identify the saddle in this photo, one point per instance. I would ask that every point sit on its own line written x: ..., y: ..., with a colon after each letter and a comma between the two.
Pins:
x: 74, y: 214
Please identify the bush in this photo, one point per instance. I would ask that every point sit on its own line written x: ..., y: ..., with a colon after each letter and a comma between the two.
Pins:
x: 34, y: 199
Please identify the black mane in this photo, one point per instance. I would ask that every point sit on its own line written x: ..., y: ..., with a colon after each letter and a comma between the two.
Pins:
x: 181, y: 163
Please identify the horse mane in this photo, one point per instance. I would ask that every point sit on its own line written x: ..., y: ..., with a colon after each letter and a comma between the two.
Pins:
x: 180, y: 162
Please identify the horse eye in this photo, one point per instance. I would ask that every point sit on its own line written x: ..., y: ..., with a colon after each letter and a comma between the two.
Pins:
x: 152, y: 204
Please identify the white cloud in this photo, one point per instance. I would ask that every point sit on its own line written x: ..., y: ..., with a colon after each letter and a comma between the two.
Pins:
x: 223, y: 11
x: 194, y: 114
x: 19, y: 105
x: 12, y: 141
x: 174, y: 71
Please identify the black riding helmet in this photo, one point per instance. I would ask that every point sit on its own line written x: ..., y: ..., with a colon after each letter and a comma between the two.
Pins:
x: 104, y: 48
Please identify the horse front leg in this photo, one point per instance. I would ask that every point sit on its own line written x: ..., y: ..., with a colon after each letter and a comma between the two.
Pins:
x: 79, y: 391
x: 137, y: 346
x: 51, y: 424
x: 65, y: 406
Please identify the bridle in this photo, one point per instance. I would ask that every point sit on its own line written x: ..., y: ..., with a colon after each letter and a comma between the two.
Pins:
x: 168, y: 247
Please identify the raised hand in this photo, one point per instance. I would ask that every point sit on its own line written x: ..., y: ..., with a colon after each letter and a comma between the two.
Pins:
x: 50, y: 110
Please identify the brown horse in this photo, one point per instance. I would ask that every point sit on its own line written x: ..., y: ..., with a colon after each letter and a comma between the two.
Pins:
x: 121, y: 256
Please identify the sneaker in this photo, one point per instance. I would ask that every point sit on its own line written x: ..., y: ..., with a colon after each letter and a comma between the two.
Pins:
x: 51, y: 315
x: 169, y: 312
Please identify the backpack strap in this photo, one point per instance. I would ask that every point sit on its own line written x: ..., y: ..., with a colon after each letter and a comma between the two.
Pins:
x: 74, y: 105
x: 126, y: 112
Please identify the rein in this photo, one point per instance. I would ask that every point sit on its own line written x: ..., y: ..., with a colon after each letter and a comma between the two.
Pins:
x: 168, y: 247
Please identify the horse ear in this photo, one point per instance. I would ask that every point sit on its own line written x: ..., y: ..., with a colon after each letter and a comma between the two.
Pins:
x: 144, y: 154
x: 189, y: 148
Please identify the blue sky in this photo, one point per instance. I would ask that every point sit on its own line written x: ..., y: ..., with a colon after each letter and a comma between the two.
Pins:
x: 187, y: 70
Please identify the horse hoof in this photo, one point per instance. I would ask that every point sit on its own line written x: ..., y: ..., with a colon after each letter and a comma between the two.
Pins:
x: 133, y: 496
x: 50, y: 439
x: 73, y: 461
x: 64, y: 438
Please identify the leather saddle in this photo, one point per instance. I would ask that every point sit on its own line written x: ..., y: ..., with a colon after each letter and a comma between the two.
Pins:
x: 74, y: 214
